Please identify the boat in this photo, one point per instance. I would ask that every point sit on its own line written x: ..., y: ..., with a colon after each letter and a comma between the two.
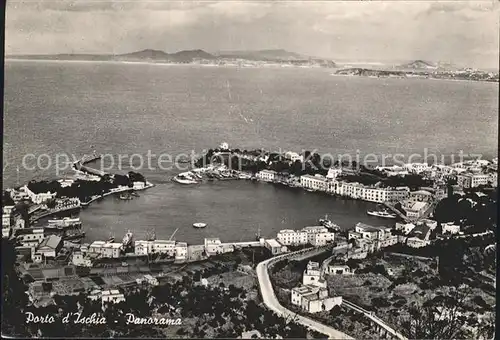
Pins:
x: 126, y: 197
x: 325, y: 222
x: 64, y: 222
x: 110, y: 239
x: 127, y: 239
x: 74, y: 235
x: 151, y: 236
x: 383, y: 214
x: 185, y: 178
x: 199, y: 225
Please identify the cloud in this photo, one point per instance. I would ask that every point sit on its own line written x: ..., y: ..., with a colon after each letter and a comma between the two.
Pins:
x: 453, y: 31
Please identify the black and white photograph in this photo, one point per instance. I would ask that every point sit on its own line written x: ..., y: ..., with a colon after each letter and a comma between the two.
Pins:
x: 290, y: 169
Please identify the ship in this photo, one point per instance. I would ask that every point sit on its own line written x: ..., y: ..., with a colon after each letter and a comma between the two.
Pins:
x: 126, y: 197
x: 64, y: 223
x: 90, y: 158
x: 382, y: 214
x: 127, y: 239
x: 325, y: 222
x: 74, y: 235
x: 111, y: 238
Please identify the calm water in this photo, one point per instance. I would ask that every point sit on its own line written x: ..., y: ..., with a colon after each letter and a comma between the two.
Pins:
x: 67, y: 107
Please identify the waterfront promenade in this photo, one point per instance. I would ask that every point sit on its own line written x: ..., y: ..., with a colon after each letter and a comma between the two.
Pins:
x: 270, y: 300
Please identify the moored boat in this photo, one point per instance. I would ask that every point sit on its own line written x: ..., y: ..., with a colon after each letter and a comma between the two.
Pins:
x: 382, y: 214
x: 127, y: 239
x: 325, y: 222
x: 199, y: 225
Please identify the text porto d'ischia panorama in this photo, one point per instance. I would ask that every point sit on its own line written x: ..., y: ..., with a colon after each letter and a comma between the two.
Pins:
x: 95, y: 319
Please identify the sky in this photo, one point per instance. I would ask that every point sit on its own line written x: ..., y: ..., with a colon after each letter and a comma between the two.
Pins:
x: 465, y: 33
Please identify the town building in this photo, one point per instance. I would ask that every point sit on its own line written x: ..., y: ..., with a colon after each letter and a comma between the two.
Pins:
x: 314, y: 299
x: 38, y: 198
x: 79, y: 259
x: 266, y: 175
x: 151, y: 280
x: 290, y: 237
x: 313, y: 276
x: 405, y: 228
x: 417, y: 168
x: 419, y: 196
x: 112, y: 296
x: 415, y: 209
x: 333, y: 173
x: 336, y: 269
x: 50, y: 246
x: 374, y: 194
x: 181, y: 251
x: 162, y: 247
x: 318, y: 235
x: 111, y: 250
x: 213, y: 246
x: 469, y: 180
x: 293, y: 156
x: 367, y: 231
x: 96, y: 247
x: 275, y: 247
x: 316, y: 182
x: 450, y: 228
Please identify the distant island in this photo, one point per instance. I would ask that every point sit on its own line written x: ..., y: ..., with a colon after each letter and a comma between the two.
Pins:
x: 239, y: 58
x: 422, y: 69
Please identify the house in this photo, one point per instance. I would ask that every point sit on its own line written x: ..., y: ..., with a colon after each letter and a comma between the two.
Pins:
x: 313, y: 276
x: 417, y: 167
x: 7, y: 209
x: 316, y: 182
x: 335, y: 269
x: 50, y: 246
x: 314, y: 299
x: 275, y: 247
x: 196, y: 252
x: 266, y: 175
x: 213, y: 246
x: 291, y: 237
x: 470, y: 180
x: 352, y: 234
x: 419, y: 196
x: 181, y: 251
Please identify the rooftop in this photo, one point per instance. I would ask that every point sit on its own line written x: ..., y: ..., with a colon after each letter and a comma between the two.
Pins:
x: 367, y: 227
x: 51, y: 241
x: 273, y: 243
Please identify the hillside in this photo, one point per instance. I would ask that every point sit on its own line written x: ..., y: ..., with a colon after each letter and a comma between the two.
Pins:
x: 418, y: 64
x: 278, y: 54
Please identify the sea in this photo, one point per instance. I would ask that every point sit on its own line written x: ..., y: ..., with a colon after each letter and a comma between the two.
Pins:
x: 55, y: 109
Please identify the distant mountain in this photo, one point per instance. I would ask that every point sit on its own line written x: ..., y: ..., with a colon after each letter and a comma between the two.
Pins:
x: 196, y: 56
x: 278, y: 54
x: 418, y: 64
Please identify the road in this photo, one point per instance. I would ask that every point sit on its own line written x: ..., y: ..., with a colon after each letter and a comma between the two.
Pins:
x: 272, y: 303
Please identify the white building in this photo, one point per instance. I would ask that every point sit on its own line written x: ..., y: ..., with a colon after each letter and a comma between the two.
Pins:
x: 112, y: 296
x: 181, y: 251
x: 318, y: 235
x: 111, y: 250
x: 31, y: 237
x: 79, y: 259
x: 162, y: 247
x: 7, y: 209
x: 450, y: 228
x: 406, y: 228
x: 316, y: 182
x: 374, y: 194
x: 138, y: 185
x: 153, y: 281
x: 416, y: 242
x: 334, y: 173
x: 417, y: 167
x: 142, y: 247
x: 314, y: 299
x: 275, y: 247
x: 367, y: 231
x: 40, y: 197
x: 266, y: 175
x: 291, y: 237
x: 96, y: 247
x: 313, y: 276
x: 293, y: 156
x: 416, y: 209
x: 336, y: 269
x: 213, y: 246
x: 468, y: 180
x: 50, y: 246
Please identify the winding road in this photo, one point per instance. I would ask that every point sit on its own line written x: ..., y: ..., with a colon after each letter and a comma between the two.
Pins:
x: 272, y: 303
